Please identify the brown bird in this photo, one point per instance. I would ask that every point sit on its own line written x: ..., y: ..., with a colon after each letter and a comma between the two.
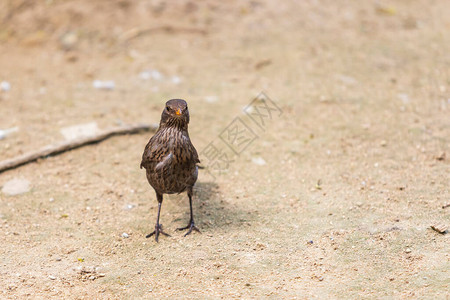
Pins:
x: 171, y: 160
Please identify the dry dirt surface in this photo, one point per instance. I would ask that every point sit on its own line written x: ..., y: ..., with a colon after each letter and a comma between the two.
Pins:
x: 332, y: 197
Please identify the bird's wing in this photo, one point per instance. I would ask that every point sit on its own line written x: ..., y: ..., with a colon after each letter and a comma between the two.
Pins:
x: 167, y: 160
x: 152, y: 154
x: 195, y: 155
x: 193, y: 152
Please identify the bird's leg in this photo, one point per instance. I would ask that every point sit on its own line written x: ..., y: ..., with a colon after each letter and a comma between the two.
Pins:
x: 158, y: 227
x: 191, y: 226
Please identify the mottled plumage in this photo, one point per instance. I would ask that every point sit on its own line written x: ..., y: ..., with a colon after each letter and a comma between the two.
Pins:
x: 171, y: 160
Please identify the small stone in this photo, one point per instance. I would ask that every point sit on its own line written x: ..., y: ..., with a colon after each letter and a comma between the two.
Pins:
x: 348, y: 80
x: 403, y: 97
x: 5, y: 86
x: 441, y: 228
x: 407, y: 250
x: 68, y: 40
x: 211, y: 99
x: 71, y: 57
x: 129, y: 206
x: 5, y: 132
x: 58, y: 259
x: 441, y: 156
x: 104, y: 84
x: 81, y: 130
x: 92, y: 277
x: 383, y: 143
x: 125, y: 235
x: 259, y: 246
x: 52, y: 277
x: 176, y: 80
x: 263, y: 63
x: 151, y: 74
x: 16, y: 186
x: 258, y: 161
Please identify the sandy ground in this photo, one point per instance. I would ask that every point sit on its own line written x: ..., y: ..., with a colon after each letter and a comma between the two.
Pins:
x: 333, y: 198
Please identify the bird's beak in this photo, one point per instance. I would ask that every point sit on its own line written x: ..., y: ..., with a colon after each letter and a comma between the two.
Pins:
x: 178, y: 112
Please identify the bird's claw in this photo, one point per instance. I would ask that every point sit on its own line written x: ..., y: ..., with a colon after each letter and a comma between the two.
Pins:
x: 191, y: 226
x: 156, y: 232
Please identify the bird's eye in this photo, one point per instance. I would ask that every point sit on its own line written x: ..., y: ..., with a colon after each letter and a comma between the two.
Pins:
x: 168, y: 108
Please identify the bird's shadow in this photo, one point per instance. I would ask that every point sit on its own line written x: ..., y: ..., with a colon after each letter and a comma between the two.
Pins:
x: 211, y: 208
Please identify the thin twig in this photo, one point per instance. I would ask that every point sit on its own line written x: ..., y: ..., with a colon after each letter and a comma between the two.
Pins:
x: 76, y: 143
x: 137, y: 32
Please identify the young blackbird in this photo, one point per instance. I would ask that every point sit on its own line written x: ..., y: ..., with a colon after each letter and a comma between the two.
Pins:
x: 171, y: 160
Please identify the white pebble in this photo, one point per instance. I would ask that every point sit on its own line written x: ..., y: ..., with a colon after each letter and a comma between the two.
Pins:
x: 150, y: 74
x: 52, y: 277
x: 104, y: 84
x: 129, y: 206
x: 258, y: 161
x: 211, y: 99
x: 347, y: 79
x: 403, y: 97
x: 16, y: 186
x: 248, y: 109
x: 5, y: 86
x: 145, y: 75
x: 176, y: 80
x: 5, y: 132
x: 81, y: 130
x: 125, y: 235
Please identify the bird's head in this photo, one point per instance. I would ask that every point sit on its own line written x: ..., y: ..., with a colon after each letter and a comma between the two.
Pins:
x: 175, y: 113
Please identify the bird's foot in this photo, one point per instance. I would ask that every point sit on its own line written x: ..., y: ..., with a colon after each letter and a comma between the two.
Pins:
x: 190, y: 226
x: 156, y: 232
